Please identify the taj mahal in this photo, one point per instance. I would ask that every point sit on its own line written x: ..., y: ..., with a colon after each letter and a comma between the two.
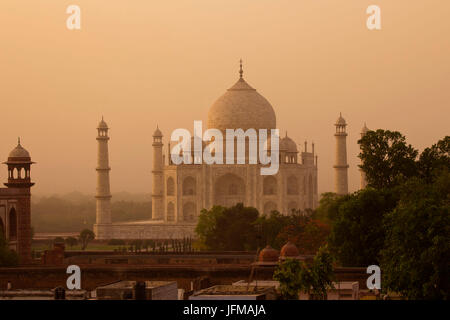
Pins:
x: 181, y: 191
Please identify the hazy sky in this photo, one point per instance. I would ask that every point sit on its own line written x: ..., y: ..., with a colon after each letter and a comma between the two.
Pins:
x: 141, y: 63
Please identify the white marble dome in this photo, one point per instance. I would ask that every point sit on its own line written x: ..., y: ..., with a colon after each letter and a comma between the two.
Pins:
x: 242, y: 107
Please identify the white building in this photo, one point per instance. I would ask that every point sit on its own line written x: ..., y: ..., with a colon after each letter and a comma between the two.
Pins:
x: 180, y: 192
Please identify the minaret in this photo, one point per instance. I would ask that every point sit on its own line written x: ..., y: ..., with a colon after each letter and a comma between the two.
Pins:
x: 341, y: 166
x: 19, y: 185
x: 103, y: 195
x: 157, y: 177
x: 363, y: 183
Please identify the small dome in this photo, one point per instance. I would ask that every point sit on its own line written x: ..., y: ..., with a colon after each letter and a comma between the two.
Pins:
x: 102, y: 124
x: 288, y: 145
x: 157, y: 132
x: 340, y: 121
x: 289, y: 250
x: 268, y: 254
x: 19, y: 152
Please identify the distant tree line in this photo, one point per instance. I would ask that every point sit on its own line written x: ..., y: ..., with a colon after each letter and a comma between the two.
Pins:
x: 55, y: 214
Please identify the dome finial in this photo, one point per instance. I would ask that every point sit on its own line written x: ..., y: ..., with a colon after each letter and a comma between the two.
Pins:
x: 18, y: 141
x: 241, y: 72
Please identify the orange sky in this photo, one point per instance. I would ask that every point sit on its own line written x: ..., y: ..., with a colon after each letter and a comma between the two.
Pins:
x: 141, y: 63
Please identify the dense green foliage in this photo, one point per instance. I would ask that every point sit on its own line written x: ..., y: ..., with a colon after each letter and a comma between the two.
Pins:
x: 228, y: 228
x: 315, y: 279
x: 241, y: 228
x: 386, y: 158
x: 401, y: 221
x: 416, y: 257
x: 358, y: 235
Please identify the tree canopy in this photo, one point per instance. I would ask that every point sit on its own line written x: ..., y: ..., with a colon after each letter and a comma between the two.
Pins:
x: 357, y: 235
x: 228, y: 228
x: 86, y: 236
x: 242, y: 228
x: 401, y: 220
x: 315, y: 279
x: 415, y: 259
x: 386, y: 158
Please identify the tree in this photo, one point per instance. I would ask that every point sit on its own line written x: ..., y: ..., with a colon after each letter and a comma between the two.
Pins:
x: 295, y: 276
x: 270, y: 226
x: 85, y: 237
x: 358, y: 234
x: 435, y: 159
x: 228, y: 228
x: 306, y: 233
x: 207, y: 224
x: 415, y: 260
x: 71, y: 241
x: 288, y: 275
x: 328, y: 206
x: 386, y: 158
x: 8, y: 258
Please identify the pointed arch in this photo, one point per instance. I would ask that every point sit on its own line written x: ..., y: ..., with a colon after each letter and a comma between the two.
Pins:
x: 170, y: 186
x: 2, y: 228
x: 310, y: 192
x: 189, y: 212
x: 170, y: 211
x: 12, y: 230
x: 189, y: 186
x: 292, y: 185
x: 270, y: 185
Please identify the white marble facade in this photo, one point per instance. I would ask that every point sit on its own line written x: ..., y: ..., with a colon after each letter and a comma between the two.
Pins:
x: 180, y: 192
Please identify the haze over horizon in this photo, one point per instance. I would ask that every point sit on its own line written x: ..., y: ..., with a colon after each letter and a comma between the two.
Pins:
x: 141, y: 64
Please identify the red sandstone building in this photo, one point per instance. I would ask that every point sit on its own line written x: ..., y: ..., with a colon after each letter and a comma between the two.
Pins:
x: 15, y: 212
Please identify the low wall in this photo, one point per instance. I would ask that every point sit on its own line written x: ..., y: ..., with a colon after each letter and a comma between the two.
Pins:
x: 94, y: 276
x: 160, y: 259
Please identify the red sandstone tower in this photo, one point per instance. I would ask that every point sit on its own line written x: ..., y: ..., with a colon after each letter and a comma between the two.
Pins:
x: 18, y: 197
